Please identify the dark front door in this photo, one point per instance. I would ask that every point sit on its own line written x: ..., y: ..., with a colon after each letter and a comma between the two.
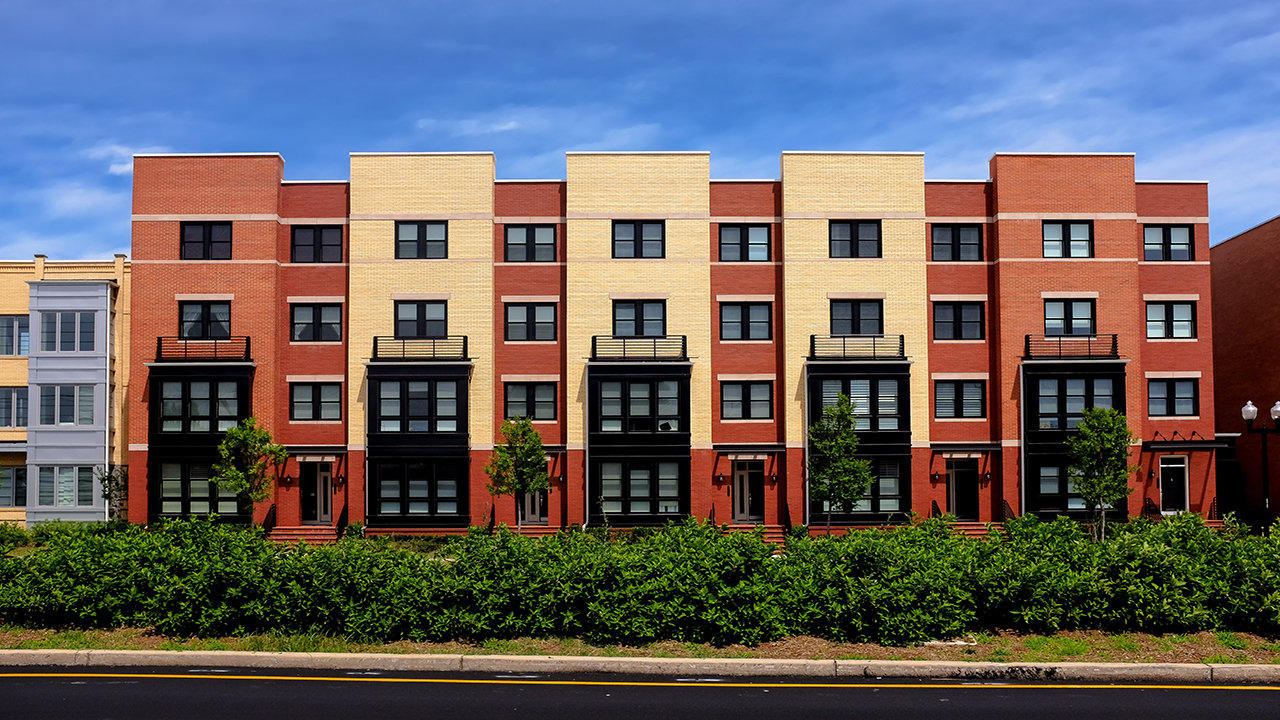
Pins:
x: 748, y: 491
x: 315, y: 483
x: 1173, y: 485
x: 962, y: 476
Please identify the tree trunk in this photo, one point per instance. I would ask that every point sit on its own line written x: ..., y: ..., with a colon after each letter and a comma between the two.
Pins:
x: 519, y: 529
x: 828, y: 521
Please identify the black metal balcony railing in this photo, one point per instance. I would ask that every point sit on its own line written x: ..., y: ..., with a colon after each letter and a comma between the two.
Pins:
x: 857, y: 347
x: 176, y: 349
x: 1073, y: 347
x: 661, y: 347
x: 451, y: 347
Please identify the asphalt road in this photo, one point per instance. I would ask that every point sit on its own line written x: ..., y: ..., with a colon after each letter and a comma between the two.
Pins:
x: 273, y: 694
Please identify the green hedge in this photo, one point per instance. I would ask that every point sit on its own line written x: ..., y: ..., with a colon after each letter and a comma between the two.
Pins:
x: 686, y: 582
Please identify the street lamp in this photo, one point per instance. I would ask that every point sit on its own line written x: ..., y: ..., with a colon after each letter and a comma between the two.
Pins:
x: 1250, y: 413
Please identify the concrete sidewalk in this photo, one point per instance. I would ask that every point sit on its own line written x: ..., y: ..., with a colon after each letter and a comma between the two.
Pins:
x: 873, y: 669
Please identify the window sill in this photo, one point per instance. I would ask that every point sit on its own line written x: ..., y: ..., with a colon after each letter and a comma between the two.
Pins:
x: 1172, y: 340
x: 530, y: 342
x: 981, y: 419
x: 746, y: 342
x: 316, y: 342
x: 959, y: 342
x: 1173, y: 417
x: 744, y: 421
x: 315, y: 422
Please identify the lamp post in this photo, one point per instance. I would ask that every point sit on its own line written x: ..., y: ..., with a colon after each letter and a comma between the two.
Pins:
x: 1250, y: 413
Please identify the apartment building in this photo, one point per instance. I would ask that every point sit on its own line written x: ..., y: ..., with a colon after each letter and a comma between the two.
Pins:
x: 670, y: 335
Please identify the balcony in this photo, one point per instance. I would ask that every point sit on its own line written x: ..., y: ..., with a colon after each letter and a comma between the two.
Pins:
x: 448, y: 348
x: 176, y: 349
x: 857, y: 347
x: 631, y: 349
x: 1072, y: 347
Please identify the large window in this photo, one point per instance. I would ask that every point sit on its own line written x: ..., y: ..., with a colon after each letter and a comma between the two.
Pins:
x: 206, y: 241
x: 1061, y: 401
x: 745, y: 321
x: 1068, y: 239
x: 739, y: 243
x: 422, y: 240
x: 419, y: 406
x: 646, y: 318
x: 741, y: 401
x: 957, y: 321
x: 315, y: 401
x: 199, y: 406
x: 536, y: 401
x: 15, y: 334
x: 884, y: 495
x: 1056, y: 490
x: 67, y: 331
x: 875, y: 402
x: 66, y: 486
x: 1068, y: 317
x: 640, y: 406
x: 960, y: 399
x: 1173, y: 398
x: 1171, y: 320
x: 957, y: 243
x: 855, y: 239
x: 13, y: 487
x: 531, y: 243
x: 420, y: 489
x: 635, y: 487
x: 316, y: 323
x: 531, y: 321
x: 13, y: 407
x: 205, y: 320
x: 644, y: 239
x: 421, y: 319
x: 857, y: 317
x: 188, y: 489
x: 1168, y: 243
x: 317, y: 244
x: 66, y: 405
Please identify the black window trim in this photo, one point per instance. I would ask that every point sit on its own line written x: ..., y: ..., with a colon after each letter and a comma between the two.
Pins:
x: 420, y: 331
x: 746, y: 401
x: 316, y: 243
x: 206, y: 319
x: 185, y: 415
x: 1166, y: 244
x: 855, y: 249
x: 855, y: 316
x: 1170, y: 385
x: 315, y: 401
x: 957, y: 323
x: 745, y: 322
x: 744, y: 247
x: 639, y: 317
x: 1167, y: 331
x: 1062, y: 416
x: 531, y: 389
x: 637, y: 241
x: 632, y: 424
x: 958, y: 400
x: 316, y: 324
x: 433, y: 415
x: 206, y: 247
x: 530, y: 322
x: 954, y: 243
x: 529, y: 244
x: 422, y: 242
x: 1067, y: 314
x: 1066, y: 239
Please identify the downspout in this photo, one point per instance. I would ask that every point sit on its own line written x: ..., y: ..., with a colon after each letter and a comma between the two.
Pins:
x: 586, y: 455
x: 1022, y: 446
x: 804, y: 422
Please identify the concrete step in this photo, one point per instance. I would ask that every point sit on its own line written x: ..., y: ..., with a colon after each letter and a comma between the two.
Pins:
x: 313, y: 534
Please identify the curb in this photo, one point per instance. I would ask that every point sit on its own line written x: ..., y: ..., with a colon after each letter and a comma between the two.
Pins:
x: 871, y: 669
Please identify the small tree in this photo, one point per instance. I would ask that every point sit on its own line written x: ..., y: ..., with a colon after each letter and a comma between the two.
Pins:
x: 115, y: 490
x: 520, y: 466
x: 247, y: 453
x: 836, y: 477
x: 1100, y: 466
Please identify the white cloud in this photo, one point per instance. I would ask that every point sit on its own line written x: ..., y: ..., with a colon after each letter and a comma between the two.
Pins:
x: 78, y: 200
x: 123, y: 154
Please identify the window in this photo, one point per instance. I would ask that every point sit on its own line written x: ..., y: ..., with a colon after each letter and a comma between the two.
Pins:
x: 855, y: 239
x: 1068, y: 239
x: 640, y: 406
x: 205, y: 320
x: 1168, y: 243
x: 13, y: 487
x: 13, y: 407
x: 316, y: 323
x: 317, y: 243
x: 1061, y: 401
x: 419, y: 489
x: 645, y: 239
x: 744, y: 243
x: 531, y: 243
x: 745, y: 321
x: 1068, y: 317
x: 957, y: 242
x: 315, y: 401
x: 957, y: 321
x: 199, y: 406
x: 66, y: 331
x: 635, y: 487
x: 188, y: 489
x: 857, y: 317
x: 527, y: 321
x: 1057, y: 492
x: 66, y: 486
x: 960, y: 399
x: 1171, y: 320
x: 884, y: 495
x: 421, y: 320
x: 419, y: 406
x: 15, y: 334
x: 739, y: 401
x: 536, y: 401
x: 646, y: 318
x: 422, y: 240
x: 875, y: 402
x: 206, y: 241
x: 1172, y: 398
x: 65, y: 404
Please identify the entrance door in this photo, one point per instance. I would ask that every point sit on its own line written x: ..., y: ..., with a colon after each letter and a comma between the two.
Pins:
x: 962, y: 481
x: 316, y: 483
x: 1173, y: 484
x: 748, y: 491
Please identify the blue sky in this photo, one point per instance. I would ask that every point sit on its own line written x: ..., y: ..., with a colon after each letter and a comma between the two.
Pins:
x: 1191, y: 87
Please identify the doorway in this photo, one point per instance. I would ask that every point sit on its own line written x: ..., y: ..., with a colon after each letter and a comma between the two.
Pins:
x: 748, y: 491
x: 962, y: 489
x: 316, y: 485
x: 1173, y: 485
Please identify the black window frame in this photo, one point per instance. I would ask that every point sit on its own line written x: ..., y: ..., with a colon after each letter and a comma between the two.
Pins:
x: 1068, y: 317
x: 957, y: 326
x: 745, y: 325
x: 1171, y: 388
x: 637, y: 241
x: 15, y: 335
x: 218, y: 500
x: 1066, y: 414
x: 1165, y: 248
x: 658, y: 503
x: 1167, y: 323
x: 857, y: 309
x: 316, y: 325
x: 955, y: 242
x: 408, y: 413
x: 432, y: 476
x: 422, y: 323
x: 530, y: 324
x: 844, y: 247
x: 423, y: 246
x: 748, y: 404
x: 744, y: 244
x: 205, y: 322
x: 530, y: 391
x: 188, y: 409
x: 317, y: 245
x: 959, y: 408
x: 1064, y: 499
x: 1067, y: 250
x: 652, y: 420
x: 530, y: 245
x: 875, y: 418
x: 316, y: 401
x: 206, y: 246
x: 638, y: 317
x: 874, y: 501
